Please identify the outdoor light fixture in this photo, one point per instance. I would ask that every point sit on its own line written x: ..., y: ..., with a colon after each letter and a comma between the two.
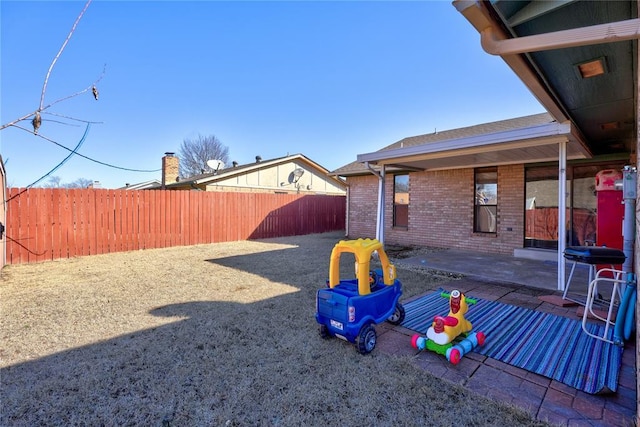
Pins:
x: 610, y: 126
x: 592, y: 68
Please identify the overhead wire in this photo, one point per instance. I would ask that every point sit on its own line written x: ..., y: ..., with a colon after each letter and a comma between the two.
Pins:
x: 89, y: 158
x: 74, y: 151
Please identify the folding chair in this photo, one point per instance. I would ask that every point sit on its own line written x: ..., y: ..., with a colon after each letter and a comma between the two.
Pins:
x: 618, y: 280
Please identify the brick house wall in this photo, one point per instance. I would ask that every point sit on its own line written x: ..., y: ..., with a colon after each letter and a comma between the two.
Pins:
x: 441, y: 210
x: 362, y: 206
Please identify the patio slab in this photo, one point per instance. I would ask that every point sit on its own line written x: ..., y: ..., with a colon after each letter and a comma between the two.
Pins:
x: 545, y: 399
x: 539, y: 274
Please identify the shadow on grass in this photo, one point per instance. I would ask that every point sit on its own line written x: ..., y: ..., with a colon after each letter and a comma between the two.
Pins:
x: 232, y: 364
x: 215, y: 363
x: 229, y: 363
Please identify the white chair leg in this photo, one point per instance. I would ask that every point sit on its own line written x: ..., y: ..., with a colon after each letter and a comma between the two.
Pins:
x: 592, y: 293
x: 566, y: 286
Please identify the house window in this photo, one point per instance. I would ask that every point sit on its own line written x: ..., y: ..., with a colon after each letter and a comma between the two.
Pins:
x: 401, y: 200
x: 486, y: 200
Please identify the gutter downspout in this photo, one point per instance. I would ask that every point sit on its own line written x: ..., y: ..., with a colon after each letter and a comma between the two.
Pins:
x: 478, y: 16
x: 380, y: 212
x: 596, y: 34
x: 347, y: 209
x: 629, y: 194
x: 495, y: 42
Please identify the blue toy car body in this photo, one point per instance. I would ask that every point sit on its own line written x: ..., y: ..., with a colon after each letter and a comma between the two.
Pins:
x: 349, y: 310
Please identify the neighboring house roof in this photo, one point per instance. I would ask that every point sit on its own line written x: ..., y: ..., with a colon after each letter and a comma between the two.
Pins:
x: 201, y: 181
x: 154, y: 183
x: 529, y: 138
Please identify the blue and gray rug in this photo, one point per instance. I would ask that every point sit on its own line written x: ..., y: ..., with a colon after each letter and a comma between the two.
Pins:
x: 553, y: 346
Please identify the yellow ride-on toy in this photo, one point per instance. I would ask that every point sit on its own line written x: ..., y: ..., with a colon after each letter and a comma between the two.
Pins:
x: 349, y: 309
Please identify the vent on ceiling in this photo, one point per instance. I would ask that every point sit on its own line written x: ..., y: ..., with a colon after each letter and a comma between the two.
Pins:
x: 592, y: 68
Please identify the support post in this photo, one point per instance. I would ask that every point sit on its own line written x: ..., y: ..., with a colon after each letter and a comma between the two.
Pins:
x: 380, y: 211
x: 562, y: 211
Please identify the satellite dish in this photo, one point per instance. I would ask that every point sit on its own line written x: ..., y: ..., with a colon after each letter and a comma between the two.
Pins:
x: 215, y: 165
x: 296, y: 174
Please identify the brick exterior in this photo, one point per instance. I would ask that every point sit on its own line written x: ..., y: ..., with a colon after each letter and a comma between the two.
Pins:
x: 362, y: 206
x: 441, y: 210
x: 170, y: 169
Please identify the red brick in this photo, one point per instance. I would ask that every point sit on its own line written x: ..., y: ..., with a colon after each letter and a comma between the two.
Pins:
x: 441, y: 210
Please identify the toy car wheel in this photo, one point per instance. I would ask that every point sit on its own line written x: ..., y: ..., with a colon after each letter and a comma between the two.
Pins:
x: 367, y: 338
x: 454, y: 356
x: 324, y: 332
x: 398, y: 315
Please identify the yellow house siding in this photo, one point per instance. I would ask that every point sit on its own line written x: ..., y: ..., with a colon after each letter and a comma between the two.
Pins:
x: 279, y: 178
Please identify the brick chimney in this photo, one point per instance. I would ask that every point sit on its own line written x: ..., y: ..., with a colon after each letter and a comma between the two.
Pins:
x: 170, y: 169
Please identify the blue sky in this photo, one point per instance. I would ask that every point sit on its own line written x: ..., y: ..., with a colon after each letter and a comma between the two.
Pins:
x: 330, y: 80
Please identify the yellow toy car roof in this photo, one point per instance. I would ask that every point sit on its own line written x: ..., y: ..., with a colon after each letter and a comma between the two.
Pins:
x: 362, y: 249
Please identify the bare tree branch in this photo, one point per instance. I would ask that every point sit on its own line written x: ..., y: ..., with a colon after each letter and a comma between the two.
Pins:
x: 26, y: 116
x: 55, y: 59
x: 41, y: 106
x: 194, y: 154
x: 87, y: 89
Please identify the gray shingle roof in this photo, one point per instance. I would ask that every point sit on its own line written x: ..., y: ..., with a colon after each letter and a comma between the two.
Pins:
x: 357, y: 168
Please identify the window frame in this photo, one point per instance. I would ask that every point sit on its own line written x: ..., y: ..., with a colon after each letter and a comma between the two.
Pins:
x: 400, y: 211
x: 480, y: 200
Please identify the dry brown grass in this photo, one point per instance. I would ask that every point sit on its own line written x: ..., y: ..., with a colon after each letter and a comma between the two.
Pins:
x: 220, y: 334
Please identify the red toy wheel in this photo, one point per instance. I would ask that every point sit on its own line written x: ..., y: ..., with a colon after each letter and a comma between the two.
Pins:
x: 454, y: 356
x: 480, y: 337
x: 414, y: 341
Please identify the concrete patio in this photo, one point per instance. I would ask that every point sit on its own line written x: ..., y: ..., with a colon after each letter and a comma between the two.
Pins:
x: 519, y: 282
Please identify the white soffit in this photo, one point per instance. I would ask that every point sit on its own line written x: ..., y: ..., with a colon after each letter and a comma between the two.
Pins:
x: 516, y: 140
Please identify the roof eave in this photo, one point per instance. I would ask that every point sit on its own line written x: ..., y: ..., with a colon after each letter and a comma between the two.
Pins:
x: 486, y: 142
x: 477, y: 14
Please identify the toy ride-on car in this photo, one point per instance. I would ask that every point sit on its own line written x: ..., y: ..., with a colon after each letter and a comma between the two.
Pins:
x: 349, y: 309
x: 452, y: 335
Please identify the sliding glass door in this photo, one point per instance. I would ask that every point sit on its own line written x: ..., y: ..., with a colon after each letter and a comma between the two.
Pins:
x: 541, y: 205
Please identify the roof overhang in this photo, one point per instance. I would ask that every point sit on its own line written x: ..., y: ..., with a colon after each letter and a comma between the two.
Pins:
x: 544, y: 41
x: 525, y: 145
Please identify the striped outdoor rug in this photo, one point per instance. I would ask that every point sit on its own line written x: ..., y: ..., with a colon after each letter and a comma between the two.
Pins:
x: 549, y: 345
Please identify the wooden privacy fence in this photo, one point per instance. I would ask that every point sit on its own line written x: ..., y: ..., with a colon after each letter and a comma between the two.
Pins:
x: 45, y: 224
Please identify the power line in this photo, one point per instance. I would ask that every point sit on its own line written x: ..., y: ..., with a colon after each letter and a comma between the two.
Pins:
x: 89, y: 158
x: 74, y: 151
